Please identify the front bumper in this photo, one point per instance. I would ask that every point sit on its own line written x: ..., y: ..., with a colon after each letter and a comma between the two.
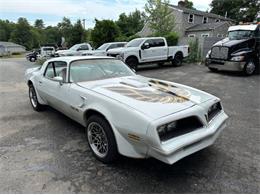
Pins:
x: 182, y: 146
x: 225, y: 65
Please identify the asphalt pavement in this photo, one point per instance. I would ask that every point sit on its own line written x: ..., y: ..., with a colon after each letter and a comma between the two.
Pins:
x: 47, y: 152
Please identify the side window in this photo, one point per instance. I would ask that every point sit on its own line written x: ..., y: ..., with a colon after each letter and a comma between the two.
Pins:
x: 54, y: 69
x: 151, y: 42
x: 49, y: 72
x: 159, y: 43
x: 120, y: 45
x: 60, y: 69
x: 83, y: 47
x: 191, y: 18
x: 112, y: 46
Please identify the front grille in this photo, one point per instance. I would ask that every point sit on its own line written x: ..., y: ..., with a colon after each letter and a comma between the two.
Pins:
x: 183, y: 126
x: 214, y: 110
x: 219, y: 53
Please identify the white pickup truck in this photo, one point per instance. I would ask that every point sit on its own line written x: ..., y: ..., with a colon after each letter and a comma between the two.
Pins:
x: 149, y: 50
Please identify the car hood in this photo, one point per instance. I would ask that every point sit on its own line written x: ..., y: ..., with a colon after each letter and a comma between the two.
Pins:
x: 229, y: 43
x: 154, y: 98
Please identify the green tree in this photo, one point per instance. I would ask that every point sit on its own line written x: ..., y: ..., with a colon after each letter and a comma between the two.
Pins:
x: 65, y: 27
x: 52, y: 35
x: 130, y: 24
x: 186, y: 3
x: 160, y: 18
x: 239, y: 10
x: 6, y: 28
x: 78, y: 33
x: 39, y: 24
x: 22, y: 33
x: 104, y: 31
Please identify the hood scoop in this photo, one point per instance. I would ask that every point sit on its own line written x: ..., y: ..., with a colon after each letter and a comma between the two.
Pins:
x: 134, y: 83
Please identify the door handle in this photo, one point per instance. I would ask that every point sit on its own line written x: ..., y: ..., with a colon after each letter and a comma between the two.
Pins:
x: 40, y: 82
x: 84, y: 99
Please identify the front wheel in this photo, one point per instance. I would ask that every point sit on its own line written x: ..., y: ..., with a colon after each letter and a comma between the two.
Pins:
x: 101, y: 139
x: 132, y: 62
x: 33, y: 99
x: 250, y: 68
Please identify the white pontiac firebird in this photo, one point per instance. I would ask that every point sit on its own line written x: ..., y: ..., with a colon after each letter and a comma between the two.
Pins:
x: 124, y: 113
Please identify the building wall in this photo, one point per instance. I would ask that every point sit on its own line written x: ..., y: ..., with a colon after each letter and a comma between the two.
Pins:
x: 222, y: 30
x: 199, y: 33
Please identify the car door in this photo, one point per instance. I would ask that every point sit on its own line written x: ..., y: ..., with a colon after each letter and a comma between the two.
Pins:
x: 147, y: 54
x: 54, y: 92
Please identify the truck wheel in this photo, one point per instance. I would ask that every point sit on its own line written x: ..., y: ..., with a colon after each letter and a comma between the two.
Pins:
x: 249, y: 68
x: 101, y: 139
x: 132, y: 63
x: 32, y: 59
x: 177, y: 61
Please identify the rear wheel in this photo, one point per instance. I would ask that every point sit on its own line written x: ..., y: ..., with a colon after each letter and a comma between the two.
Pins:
x: 177, y: 61
x: 132, y: 63
x: 101, y: 139
x: 33, y: 99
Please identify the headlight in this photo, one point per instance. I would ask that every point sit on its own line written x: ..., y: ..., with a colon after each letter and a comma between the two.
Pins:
x: 238, y: 58
x: 208, y: 54
x: 164, y: 129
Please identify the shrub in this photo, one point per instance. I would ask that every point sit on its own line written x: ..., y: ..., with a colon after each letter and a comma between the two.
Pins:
x: 195, y: 51
x: 172, y: 38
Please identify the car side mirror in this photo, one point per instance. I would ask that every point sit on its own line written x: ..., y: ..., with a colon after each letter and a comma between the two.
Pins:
x: 145, y: 46
x: 58, y: 79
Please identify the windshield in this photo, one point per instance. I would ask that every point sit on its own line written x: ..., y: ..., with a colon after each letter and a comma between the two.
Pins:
x: 98, y: 69
x: 103, y: 47
x: 240, y: 34
x: 135, y: 43
x: 74, y: 47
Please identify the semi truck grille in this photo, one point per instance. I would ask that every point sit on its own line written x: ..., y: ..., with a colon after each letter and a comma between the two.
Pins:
x: 219, y: 53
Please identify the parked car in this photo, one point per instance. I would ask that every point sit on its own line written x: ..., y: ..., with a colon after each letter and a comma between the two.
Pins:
x: 46, y: 52
x: 124, y: 113
x: 240, y: 51
x: 75, y: 50
x: 149, y: 50
x: 103, y: 49
x: 33, y: 55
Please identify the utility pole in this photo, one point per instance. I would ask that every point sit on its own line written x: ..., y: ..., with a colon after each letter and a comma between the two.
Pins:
x: 84, y: 24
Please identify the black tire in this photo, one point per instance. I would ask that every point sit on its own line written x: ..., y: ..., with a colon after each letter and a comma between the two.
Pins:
x: 250, y: 68
x: 132, y: 62
x: 213, y: 69
x: 111, y: 153
x: 177, y: 61
x: 33, y: 99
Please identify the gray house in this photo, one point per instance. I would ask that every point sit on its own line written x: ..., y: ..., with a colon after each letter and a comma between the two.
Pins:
x: 195, y: 23
x: 8, y: 48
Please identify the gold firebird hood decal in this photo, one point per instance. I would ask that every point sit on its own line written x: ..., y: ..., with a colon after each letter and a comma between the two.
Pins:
x: 161, y: 92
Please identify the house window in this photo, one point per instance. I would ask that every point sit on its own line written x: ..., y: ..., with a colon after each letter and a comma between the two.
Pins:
x: 191, y: 18
x: 204, y: 35
x: 205, y: 20
x: 220, y: 36
x: 217, y: 20
x: 191, y: 35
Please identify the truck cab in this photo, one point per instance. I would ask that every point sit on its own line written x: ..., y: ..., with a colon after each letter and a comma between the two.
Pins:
x: 240, y: 51
x: 149, y: 50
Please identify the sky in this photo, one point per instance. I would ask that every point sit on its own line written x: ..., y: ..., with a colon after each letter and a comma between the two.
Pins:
x: 52, y: 11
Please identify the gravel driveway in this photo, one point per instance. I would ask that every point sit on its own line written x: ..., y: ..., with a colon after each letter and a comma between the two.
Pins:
x: 47, y: 153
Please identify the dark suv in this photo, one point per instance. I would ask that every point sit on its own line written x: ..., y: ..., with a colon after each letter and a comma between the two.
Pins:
x: 240, y: 51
